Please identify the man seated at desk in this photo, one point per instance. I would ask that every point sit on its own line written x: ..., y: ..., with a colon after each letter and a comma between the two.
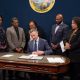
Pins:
x: 38, y: 45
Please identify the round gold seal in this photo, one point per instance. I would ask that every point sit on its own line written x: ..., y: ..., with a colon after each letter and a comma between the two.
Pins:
x: 41, y: 6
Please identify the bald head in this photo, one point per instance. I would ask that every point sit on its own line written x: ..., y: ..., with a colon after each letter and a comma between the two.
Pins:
x: 59, y: 18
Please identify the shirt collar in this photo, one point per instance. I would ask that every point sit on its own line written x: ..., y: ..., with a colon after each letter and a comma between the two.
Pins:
x: 37, y: 39
x: 15, y: 27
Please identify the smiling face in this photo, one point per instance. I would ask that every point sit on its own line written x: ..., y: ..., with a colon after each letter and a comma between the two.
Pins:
x: 74, y: 25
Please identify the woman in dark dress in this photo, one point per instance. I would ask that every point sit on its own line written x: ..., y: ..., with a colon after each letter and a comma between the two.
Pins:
x: 72, y: 46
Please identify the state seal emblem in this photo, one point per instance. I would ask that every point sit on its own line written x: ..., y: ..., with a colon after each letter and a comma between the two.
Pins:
x: 42, y: 6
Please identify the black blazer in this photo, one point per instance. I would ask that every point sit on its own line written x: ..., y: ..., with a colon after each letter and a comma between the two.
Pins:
x: 60, y: 34
x: 74, y: 52
x: 75, y: 40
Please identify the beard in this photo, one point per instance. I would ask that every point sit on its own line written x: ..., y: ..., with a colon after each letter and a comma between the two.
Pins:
x: 59, y: 22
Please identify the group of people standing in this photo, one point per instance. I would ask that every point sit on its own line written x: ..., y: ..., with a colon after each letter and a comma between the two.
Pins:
x: 15, y: 39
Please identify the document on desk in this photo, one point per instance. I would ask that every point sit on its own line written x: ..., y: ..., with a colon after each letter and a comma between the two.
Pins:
x: 55, y: 60
x: 25, y: 57
x: 32, y: 56
x: 62, y: 46
x: 7, y: 55
x: 37, y: 57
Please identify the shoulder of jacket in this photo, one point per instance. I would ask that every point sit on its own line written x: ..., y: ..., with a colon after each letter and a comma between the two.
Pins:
x: 9, y: 28
x: 65, y: 25
x: 43, y: 39
x: 20, y: 28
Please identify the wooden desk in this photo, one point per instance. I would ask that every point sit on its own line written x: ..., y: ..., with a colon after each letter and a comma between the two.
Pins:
x: 39, y: 66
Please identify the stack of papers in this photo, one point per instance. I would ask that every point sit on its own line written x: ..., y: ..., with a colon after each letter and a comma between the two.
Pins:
x: 56, y: 60
x: 32, y: 56
x: 7, y: 55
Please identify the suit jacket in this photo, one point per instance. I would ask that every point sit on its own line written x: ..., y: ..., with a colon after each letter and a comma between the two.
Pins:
x: 42, y: 45
x: 75, y: 40
x: 74, y: 52
x: 13, y: 40
x: 3, y: 41
x: 60, y: 34
x: 27, y: 36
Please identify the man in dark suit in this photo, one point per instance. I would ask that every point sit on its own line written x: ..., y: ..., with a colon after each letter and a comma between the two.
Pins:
x: 38, y: 45
x: 59, y: 32
x: 33, y: 25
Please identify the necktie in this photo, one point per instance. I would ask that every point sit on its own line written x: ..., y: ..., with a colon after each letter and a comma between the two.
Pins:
x: 17, y: 32
x: 35, y: 45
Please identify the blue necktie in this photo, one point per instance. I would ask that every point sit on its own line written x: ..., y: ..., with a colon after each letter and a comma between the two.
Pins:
x: 35, y: 45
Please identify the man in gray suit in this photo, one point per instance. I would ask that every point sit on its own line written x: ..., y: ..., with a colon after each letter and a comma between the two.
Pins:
x: 15, y: 36
x: 59, y: 32
x: 16, y: 41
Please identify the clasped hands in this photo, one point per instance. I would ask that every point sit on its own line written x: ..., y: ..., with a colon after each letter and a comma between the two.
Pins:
x: 67, y: 45
x: 18, y: 50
